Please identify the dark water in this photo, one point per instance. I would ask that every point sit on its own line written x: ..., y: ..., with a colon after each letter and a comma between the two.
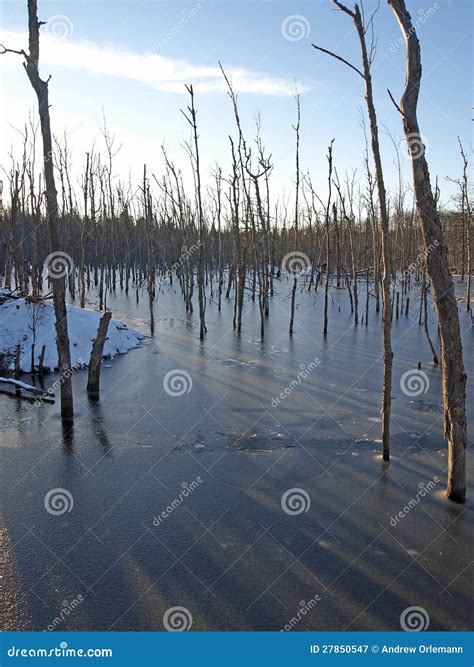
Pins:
x: 238, y: 438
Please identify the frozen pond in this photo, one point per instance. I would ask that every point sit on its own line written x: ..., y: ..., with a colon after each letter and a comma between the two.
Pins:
x: 236, y: 423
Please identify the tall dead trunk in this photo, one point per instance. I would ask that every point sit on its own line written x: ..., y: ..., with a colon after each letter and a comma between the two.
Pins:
x: 297, y: 194
x: 197, y: 170
x: 57, y: 278
x: 454, y: 377
x: 327, y: 215
x: 148, y: 216
x: 82, y: 276
x: 357, y: 19
x: 466, y: 212
x: 354, y: 270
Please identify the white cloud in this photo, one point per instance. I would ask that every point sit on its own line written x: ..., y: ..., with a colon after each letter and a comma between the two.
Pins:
x: 151, y: 69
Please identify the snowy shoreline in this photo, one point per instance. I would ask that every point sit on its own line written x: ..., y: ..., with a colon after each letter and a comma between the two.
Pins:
x: 28, y: 324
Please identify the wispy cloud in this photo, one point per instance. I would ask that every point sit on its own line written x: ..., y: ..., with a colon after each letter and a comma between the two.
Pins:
x: 151, y: 69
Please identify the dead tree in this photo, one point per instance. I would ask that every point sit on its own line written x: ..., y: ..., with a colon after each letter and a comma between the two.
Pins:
x: 327, y: 218
x: 467, y: 213
x: 424, y: 306
x: 261, y: 254
x: 148, y: 216
x: 367, y: 59
x: 297, y: 194
x: 454, y: 377
x: 348, y: 216
x: 191, y: 118
x: 466, y: 219
x: 40, y: 87
x: 93, y: 376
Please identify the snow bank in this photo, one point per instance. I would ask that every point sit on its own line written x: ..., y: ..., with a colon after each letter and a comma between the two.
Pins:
x: 23, y: 322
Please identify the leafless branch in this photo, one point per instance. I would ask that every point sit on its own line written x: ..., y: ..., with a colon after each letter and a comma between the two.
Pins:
x: 342, y: 60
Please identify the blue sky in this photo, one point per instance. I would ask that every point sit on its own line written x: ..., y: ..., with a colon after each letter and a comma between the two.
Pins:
x: 102, y: 55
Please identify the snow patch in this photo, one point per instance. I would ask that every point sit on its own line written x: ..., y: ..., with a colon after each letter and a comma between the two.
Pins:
x: 22, y: 322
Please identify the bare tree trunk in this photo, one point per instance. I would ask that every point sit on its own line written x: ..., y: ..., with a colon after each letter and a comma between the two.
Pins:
x: 356, y: 17
x: 295, y: 276
x: 467, y: 214
x: 82, y: 277
x: 93, y: 376
x: 425, y: 319
x: 328, y: 243
x: 240, y: 287
x: 454, y: 377
x: 58, y: 282
x: 350, y: 221
x: 148, y: 215
x: 200, y: 260
x: 386, y: 304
